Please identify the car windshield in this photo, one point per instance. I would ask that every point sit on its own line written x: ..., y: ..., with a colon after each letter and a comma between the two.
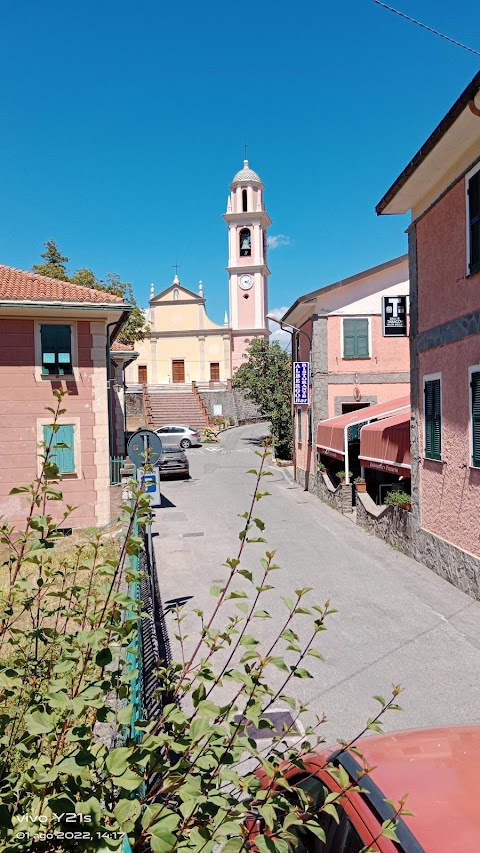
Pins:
x: 172, y: 450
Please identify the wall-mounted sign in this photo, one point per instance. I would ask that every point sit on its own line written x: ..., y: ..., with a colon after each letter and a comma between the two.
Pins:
x: 394, y: 316
x: 301, y: 383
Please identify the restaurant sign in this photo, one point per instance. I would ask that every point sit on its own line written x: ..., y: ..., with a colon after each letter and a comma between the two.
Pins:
x: 399, y: 470
x: 394, y: 316
x: 301, y: 383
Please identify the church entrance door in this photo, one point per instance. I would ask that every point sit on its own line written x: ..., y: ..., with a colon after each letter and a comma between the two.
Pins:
x: 214, y: 371
x: 178, y: 370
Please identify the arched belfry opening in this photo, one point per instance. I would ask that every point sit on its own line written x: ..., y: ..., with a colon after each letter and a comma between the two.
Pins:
x: 245, y: 243
x: 244, y: 201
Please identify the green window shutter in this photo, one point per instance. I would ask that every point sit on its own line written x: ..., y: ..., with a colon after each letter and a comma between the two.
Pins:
x: 56, y: 349
x: 349, y: 347
x: 362, y: 338
x: 475, y: 384
x: 355, y: 338
x: 64, y: 457
x: 474, y: 217
x: 433, y: 420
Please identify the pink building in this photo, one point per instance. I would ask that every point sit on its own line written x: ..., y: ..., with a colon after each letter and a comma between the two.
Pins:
x: 441, y: 186
x: 355, y: 333
x: 54, y: 334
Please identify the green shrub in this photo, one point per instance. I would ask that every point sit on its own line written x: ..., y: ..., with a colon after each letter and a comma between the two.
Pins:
x: 398, y: 498
x: 67, y: 670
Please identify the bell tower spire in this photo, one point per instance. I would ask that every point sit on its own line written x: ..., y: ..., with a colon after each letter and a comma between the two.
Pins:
x: 248, y: 223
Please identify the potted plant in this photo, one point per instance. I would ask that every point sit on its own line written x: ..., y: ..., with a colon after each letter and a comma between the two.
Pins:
x: 399, y: 498
x: 360, y: 484
x: 209, y: 435
x: 321, y: 468
x: 342, y: 475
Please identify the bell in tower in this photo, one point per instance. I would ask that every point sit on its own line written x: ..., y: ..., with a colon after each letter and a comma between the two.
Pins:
x: 245, y: 243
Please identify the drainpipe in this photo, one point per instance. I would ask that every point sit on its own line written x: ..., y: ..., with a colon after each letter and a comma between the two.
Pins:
x: 117, y: 325
x: 345, y: 445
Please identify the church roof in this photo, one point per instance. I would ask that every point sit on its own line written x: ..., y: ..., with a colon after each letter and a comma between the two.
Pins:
x: 246, y: 174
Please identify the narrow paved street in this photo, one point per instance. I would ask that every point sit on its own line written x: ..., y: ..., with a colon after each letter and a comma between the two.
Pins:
x: 397, y: 621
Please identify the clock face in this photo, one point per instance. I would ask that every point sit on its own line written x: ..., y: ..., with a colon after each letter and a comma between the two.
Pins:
x: 246, y: 282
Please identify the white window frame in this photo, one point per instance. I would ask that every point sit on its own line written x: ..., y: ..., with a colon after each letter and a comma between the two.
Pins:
x: 357, y: 317
x: 54, y: 377
x: 475, y: 368
x: 430, y: 377
x: 77, y: 444
x: 468, y: 176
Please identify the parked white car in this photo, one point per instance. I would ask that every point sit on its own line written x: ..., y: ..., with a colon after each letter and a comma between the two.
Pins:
x: 179, y: 435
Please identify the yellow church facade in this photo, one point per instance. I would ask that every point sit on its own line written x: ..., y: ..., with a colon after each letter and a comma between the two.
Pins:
x: 184, y: 345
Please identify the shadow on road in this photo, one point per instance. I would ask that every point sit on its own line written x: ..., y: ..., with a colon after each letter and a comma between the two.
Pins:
x: 256, y: 440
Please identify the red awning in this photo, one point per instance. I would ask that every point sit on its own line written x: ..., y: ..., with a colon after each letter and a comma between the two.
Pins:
x: 385, y: 445
x: 331, y: 433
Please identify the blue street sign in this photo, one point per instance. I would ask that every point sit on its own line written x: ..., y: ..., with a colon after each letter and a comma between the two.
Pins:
x: 301, y: 383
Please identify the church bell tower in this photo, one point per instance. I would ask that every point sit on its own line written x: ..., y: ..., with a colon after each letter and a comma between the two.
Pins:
x: 247, y: 222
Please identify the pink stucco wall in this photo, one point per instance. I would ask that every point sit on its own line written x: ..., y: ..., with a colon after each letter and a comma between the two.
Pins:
x: 23, y: 399
x: 450, y: 490
x: 445, y: 291
x: 387, y: 354
x: 382, y: 391
x: 246, y: 309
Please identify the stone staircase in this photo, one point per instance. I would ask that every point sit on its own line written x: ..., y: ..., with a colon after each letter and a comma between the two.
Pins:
x: 179, y: 404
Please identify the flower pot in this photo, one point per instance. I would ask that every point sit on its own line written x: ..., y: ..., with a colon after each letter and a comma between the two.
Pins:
x: 408, y: 507
x: 361, y: 487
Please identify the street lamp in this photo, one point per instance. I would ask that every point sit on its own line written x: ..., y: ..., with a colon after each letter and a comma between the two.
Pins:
x: 293, y: 331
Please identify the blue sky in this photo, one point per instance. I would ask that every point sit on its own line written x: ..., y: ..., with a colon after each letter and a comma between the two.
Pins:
x: 123, y: 124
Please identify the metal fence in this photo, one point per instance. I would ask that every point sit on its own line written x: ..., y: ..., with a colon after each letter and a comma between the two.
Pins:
x: 116, y: 465
x: 151, y: 645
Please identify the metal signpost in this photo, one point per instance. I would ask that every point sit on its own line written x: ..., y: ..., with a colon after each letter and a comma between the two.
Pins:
x: 301, y: 383
x: 145, y: 448
x: 394, y: 316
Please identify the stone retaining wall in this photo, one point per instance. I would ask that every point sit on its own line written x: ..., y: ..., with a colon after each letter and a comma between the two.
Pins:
x: 391, y: 523
x: 234, y: 405
x: 338, y: 497
x: 459, y: 567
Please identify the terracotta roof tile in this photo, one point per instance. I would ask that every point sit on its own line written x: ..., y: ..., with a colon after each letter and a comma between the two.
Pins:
x: 117, y: 346
x: 23, y: 286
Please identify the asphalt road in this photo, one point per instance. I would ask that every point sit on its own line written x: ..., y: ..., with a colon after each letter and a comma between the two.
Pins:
x: 397, y: 621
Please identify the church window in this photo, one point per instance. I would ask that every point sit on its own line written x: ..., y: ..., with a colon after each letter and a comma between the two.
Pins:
x: 244, y: 201
x: 245, y: 243
x: 175, y: 294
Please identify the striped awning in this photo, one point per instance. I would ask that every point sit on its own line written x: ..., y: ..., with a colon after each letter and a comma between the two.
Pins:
x: 331, y: 434
x: 385, y: 445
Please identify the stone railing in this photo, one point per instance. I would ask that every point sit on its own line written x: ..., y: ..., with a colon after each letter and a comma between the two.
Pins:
x: 147, y: 408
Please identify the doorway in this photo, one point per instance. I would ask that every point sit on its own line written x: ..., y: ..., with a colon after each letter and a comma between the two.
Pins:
x: 214, y: 371
x: 178, y: 370
x: 142, y: 374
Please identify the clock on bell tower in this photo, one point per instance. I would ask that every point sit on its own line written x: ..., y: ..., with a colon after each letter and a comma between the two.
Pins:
x: 248, y: 272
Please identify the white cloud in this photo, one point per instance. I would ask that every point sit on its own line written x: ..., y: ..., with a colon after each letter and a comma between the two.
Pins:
x: 276, y: 240
x: 284, y: 338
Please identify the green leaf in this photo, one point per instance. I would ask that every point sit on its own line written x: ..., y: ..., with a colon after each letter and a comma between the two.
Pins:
x: 279, y: 663
x: 388, y: 830
x: 261, y: 614
x: 103, y: 657
x: 117, y: 761
x: 39, y: 723
x: 316, y: 829
x: 126, y: 810
x: 216, y: 590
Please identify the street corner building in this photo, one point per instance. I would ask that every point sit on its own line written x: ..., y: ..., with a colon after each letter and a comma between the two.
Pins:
x: 55, y: 334
x: 441, y: 187
x: 354, y: 334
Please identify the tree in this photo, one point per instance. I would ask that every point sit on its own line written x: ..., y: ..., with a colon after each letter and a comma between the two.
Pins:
x: 135, y: 327
x: 266, y: 379
x: 54, y: 265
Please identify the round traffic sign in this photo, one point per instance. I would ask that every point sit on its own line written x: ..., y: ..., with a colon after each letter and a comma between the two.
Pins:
x: 144, y: 445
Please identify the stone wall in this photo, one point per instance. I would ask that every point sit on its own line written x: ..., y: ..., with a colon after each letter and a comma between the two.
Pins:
x: 234, y: 405
x: 459, y: 567
x: 136, y: 418
x: 338, y: 497
x: 391, y: 523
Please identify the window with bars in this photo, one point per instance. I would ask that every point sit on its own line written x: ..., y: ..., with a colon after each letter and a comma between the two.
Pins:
x: 475, y: 386
x: 355, y: 338
x: 433, y: 419
x: 474, y: 222
x: 62, y: 444
x: 56, y: 349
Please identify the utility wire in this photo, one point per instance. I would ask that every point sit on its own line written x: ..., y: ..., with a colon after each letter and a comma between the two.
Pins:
x: 426, y: 27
